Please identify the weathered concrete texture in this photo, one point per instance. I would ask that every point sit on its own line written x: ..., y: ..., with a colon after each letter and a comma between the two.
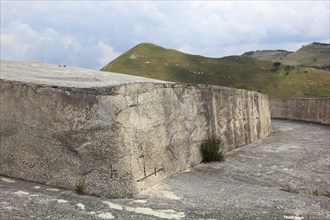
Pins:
x: 116, y: 139
x: 305, y: 109
x: 282, y: 177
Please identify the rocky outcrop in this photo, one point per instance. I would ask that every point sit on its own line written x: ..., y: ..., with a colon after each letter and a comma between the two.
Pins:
x: 305, y: 109
x: 113, y: 133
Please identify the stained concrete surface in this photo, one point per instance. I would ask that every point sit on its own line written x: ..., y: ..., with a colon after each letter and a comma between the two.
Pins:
x: 272, y: 179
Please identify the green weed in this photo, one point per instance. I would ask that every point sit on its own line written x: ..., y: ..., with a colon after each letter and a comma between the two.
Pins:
x: 80, y: 186
x: 211, y: 151
x: 289, y: 189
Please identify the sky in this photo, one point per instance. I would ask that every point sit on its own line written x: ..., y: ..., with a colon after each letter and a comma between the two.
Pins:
x: 90, y: 34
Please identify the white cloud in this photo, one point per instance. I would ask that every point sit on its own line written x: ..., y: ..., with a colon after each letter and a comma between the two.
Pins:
x: 108, y: 53
x: 47, y: 45
x: 12, y: 47
x: 91, y: 33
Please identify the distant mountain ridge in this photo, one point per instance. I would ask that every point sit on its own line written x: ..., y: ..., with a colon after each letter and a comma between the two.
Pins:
x: 315, y: 55
x: 268, y: 55
x: 244, y: 72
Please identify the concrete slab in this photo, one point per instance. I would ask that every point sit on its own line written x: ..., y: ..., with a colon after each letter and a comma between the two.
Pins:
x: 58, y: 75
x: 285, y: 176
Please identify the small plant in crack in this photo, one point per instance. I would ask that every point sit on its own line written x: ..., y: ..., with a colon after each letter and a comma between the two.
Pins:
x: 211, y: 151
x: 80, y: 186
x: 315, y: 192
x: 326, y: 193
x: 289, y: 189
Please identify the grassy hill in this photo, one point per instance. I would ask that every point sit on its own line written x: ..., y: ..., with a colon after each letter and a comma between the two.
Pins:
x: 312, y: 55
x: 244, y: 72
x: 268, y: 55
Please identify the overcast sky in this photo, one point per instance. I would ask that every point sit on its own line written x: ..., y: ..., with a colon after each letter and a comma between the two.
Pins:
x: 90, y: 34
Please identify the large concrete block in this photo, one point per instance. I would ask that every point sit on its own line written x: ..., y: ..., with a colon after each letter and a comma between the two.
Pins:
x: 304, y: 109
x: 118, y: 134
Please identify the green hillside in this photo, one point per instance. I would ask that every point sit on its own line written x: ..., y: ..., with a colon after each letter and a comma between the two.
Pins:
x: 268, y: 55
x: 312, y: 55
x: 245, y: 72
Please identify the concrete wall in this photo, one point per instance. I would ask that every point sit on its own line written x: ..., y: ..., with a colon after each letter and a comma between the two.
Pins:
x: 121, y: 139
x: 307, y: 109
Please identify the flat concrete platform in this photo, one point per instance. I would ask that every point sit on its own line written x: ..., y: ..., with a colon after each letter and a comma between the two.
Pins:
x: 285, y: 176
x: 58, y: 75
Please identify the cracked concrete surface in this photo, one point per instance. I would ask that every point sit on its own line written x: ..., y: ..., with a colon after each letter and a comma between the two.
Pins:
x: 271, y: 179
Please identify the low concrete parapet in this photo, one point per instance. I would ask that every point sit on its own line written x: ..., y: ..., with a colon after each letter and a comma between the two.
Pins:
x: 305, y: 109
x: 115, y: 134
